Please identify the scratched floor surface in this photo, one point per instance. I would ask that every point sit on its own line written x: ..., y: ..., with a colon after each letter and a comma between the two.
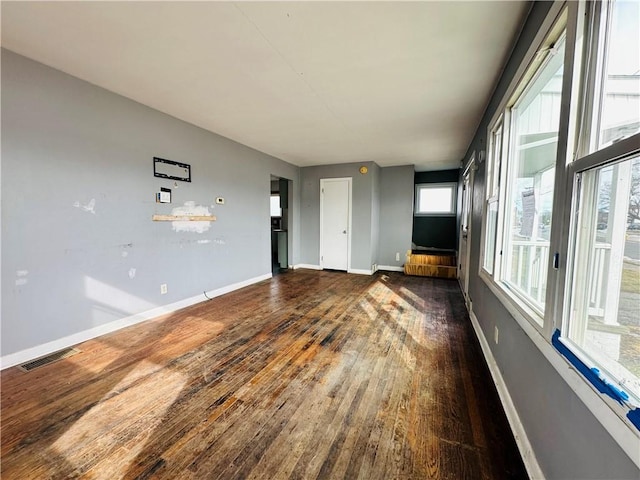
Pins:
x: 308, y: 375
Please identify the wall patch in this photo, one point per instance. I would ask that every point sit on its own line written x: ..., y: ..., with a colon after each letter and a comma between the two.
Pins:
x: 191, y: 209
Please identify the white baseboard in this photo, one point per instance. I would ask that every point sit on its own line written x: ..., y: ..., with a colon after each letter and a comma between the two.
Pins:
x: 390, y: 268
x: 526, y: 451
x: 357, y: 271
x: 307, y: 266
x: 360, y: 271
x: 38, y: 351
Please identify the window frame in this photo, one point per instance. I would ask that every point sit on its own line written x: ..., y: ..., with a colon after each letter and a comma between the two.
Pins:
x: 575, y: 108
x: 556, y: 25
x: 493, y: 193
x: 427, y: 186
x: 515, y: 105
x: 586, y: 154
x: 624, y: 150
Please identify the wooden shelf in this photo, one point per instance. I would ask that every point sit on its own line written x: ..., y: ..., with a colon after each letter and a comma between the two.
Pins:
x: 184, y: 218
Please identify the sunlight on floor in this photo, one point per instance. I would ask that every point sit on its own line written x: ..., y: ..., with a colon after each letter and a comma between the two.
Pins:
x: 133, y: 397
x: 414, y: 298
x: 401, y: 312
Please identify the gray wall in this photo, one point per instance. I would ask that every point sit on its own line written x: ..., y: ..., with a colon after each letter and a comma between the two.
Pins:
x: 78, y: 192
x: 362, y: 212
x: 396, y: 214
x: 568, y: 441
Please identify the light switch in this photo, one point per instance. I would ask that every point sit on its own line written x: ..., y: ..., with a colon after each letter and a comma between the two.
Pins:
x: 220, y: 200
x: 164, y: 196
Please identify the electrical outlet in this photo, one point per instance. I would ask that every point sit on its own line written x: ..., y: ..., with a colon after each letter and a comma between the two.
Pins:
x: 163, y: 288
x: 397, y: 256
x: 495, y: 334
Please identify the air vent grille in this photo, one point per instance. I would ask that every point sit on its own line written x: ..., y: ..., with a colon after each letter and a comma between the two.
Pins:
x: 47, y: 359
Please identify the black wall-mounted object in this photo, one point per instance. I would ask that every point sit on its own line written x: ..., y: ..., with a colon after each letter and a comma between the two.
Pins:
x: 170, y: 169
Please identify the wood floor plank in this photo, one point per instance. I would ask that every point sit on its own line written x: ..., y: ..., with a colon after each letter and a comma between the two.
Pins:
x: 308, y: 375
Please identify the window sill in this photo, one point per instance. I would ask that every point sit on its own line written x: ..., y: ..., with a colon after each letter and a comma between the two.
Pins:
x: 516, y: 307
x: 592, y: 371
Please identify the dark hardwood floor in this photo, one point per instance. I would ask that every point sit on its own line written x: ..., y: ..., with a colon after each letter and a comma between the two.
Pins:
x: 308, y: 375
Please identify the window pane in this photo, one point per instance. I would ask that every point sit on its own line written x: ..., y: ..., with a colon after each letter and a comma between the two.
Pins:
x: 490, y: 240
x: 606, y: 293
x: 536, y: 118
x: 276, y: 211
x: 435, y: 199
x: 620, y: 116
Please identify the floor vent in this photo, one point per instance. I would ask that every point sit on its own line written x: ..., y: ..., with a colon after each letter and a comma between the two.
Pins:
x: 47, y: 359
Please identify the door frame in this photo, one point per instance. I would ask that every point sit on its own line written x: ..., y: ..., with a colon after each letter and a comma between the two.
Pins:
x: 323, y: 181
x: 468, y: 192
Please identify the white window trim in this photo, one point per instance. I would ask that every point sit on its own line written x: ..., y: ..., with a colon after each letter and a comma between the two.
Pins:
x: 624, y: 149
x: 503, y: 118
x: 454, y: 196
x: 465, y: 214
x: 502, y: 114
x: 508, y: 296
x: 610, y: 414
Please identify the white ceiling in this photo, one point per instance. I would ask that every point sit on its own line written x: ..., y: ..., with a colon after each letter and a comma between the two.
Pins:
x: 309, y: 82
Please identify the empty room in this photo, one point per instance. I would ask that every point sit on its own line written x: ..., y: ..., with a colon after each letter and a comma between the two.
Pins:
x: 320, y: 240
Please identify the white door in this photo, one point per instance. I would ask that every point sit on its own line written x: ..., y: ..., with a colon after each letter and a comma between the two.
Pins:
x: 465, y: 229
x: 335, y: 220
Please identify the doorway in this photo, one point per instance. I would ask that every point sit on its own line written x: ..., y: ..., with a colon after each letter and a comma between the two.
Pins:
x: 280, y: 223
x: 465, y: 229
x: 335, y: 223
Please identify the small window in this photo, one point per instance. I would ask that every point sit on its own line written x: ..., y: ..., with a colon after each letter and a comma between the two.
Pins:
x: 436, y: 199
x: 276, y: 210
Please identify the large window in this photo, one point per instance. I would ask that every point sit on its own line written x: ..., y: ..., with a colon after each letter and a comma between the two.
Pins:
x: 602, y: 319
x: 535, y: 121
x: 523, y: 146
x: 561, y: 216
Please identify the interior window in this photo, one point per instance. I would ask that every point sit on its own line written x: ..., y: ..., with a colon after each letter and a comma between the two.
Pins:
x: 276, y: 211
x: 436, y: 199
